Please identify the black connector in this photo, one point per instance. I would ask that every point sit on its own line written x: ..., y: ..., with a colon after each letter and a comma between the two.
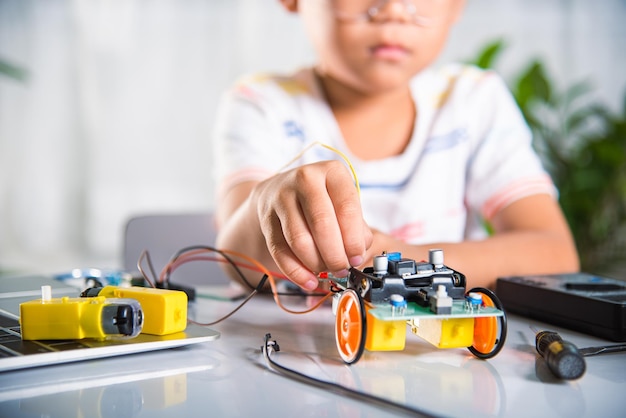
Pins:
x: 190, y: 291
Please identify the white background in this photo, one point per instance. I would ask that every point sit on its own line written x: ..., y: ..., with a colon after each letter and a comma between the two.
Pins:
x: 116, y: 115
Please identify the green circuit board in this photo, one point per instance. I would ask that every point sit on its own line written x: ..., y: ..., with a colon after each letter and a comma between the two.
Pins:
x: 385, y: 312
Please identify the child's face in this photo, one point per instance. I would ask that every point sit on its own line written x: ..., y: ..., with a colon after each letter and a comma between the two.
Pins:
x: 380, y: 51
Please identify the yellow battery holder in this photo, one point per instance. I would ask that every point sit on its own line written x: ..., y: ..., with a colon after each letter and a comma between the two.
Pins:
x: 445, y: 332
x: 384, y: 335
x: 165, y: 311
x: 68, y: 318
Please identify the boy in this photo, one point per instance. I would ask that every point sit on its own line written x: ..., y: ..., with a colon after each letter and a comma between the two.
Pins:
x: 437, y: 153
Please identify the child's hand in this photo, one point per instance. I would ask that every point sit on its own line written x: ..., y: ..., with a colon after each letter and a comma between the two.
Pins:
x: 312, y: 221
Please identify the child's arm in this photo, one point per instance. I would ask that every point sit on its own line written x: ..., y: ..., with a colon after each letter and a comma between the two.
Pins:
x: 304, y: 220
x: 295, y: 211
x: 531, y: 237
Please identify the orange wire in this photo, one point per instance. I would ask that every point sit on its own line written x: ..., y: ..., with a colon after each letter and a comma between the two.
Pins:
x: 184, y: 259
x: 253, y: 265
x: 272, y: 281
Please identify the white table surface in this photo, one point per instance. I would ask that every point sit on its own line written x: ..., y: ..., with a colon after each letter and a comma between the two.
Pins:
x: 229, y: 377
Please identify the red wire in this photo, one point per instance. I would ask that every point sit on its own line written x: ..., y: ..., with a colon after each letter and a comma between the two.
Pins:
x: 252, y: 264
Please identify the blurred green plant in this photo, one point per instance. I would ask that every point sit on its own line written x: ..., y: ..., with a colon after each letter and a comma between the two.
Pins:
x: 12, y: 71
x: 583, y: 146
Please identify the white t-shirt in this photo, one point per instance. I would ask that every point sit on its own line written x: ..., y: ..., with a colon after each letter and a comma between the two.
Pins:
x: 470, y: 153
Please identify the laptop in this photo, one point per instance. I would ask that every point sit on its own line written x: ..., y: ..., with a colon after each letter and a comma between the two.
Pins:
x: 16, y: 353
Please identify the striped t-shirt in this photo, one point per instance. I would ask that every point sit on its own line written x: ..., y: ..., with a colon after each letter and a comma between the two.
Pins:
x: 470, y: 154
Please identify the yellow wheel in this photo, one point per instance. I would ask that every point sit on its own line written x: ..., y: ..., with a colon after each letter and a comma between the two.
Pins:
x: 350, y: 326
x: 489, y: 332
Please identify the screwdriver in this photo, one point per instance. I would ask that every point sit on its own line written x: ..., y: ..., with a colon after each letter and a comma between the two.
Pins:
x: 562, y: 357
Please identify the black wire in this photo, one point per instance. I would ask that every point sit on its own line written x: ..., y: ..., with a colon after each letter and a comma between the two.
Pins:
x: 364, y: 274
x: 272, y: 345
x: 228, y: 315
x: 184, y: 250
x: 208, y: 248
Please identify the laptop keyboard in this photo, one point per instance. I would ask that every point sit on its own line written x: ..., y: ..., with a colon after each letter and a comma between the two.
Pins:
x: 11, y: 343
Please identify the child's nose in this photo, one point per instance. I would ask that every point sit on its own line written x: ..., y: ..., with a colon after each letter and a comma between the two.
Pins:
x: 393, y: 10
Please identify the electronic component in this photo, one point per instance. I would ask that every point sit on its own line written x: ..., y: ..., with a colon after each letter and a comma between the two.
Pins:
x: 165, y: 310
x: 87, y: 277
x: 378, y: 303
x: 441, y: 303
x: 473, y: 301
x: 77, y: 318
x: 398, y: 304
x: 415, y: 281
x: 582, y: 302
x: 562, y: 357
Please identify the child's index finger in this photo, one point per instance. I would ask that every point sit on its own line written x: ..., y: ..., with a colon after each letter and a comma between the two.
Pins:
x: 347, y: 206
